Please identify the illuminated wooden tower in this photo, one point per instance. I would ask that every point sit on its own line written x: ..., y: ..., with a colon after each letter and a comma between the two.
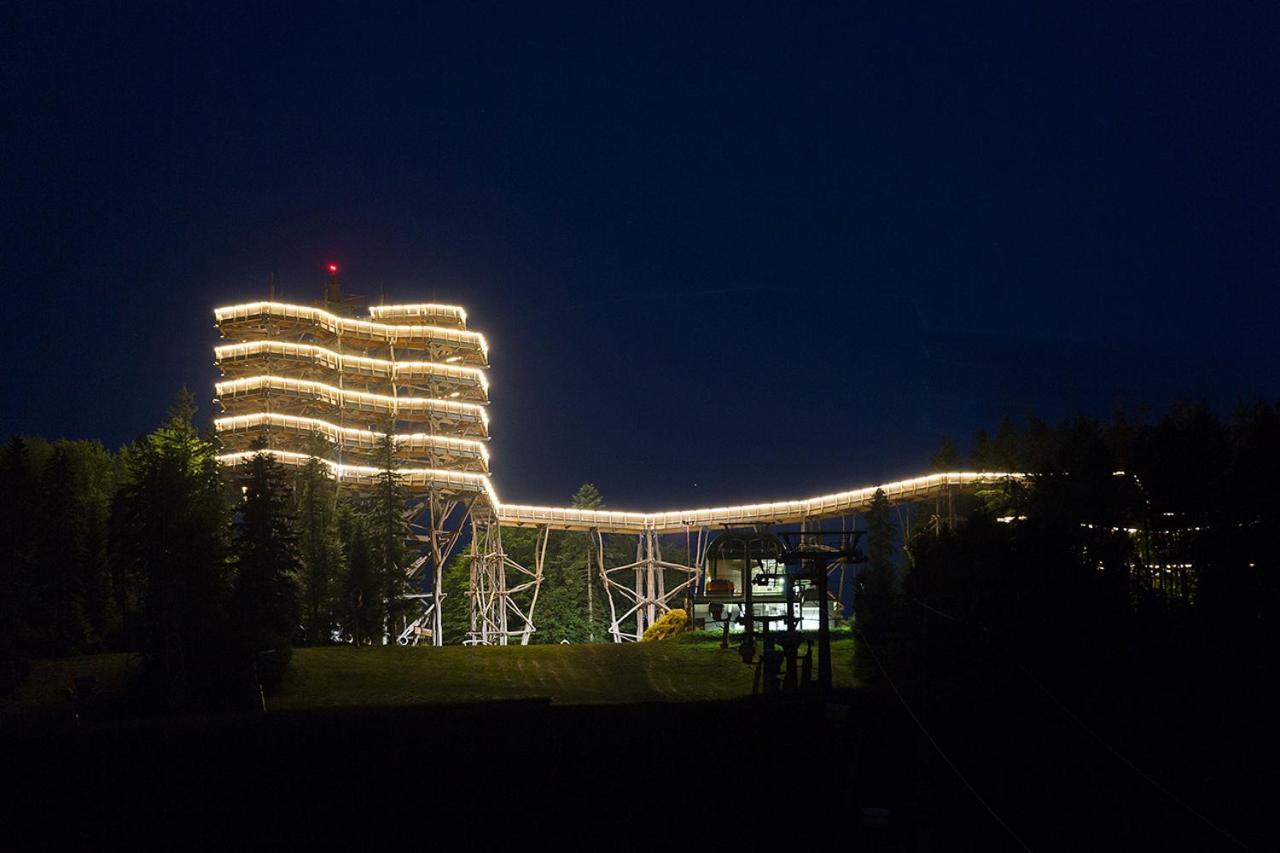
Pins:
x: 292, y: 372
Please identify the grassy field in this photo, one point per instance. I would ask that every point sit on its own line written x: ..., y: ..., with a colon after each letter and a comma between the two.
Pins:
x: 670, y: 671
x: 47, y: 686
x: 687, y: 669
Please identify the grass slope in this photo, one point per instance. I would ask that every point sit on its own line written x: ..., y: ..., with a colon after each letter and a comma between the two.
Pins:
x: 670, y: 671
x: 46, y: 686
x: 688, y: 669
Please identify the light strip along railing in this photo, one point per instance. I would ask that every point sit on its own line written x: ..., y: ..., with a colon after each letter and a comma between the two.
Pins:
x: 350, y: 436
x: 464, y: 481
x: 419, y: 309
x: 782, y: 512
x: 231, y: 388
x: 340, y: 361
x: 388, y: 332
x: 613, y: 521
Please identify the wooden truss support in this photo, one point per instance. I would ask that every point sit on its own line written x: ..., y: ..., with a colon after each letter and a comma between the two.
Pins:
x: 639, y: 590
x: 444, y: 528
x: 501, y: 610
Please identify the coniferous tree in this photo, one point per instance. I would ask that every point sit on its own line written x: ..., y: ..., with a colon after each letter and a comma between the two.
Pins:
x: 170, y: 528
x: 390, y: 530
x: 947, y: 458
x: 982, y: 457
x: 60, y: 597
x: 361, y: 609
x: 562, y: 613
x: 17, y: 560
x: 874, y: 599
x: 127, y: 589
x: 77, y: 485
x: 319, y: 548
x: 571, y: 605
x: 589, y: 497
x: 96, y: 478
x: 880, y: 534
x: 265, y: 600
x: 456, y: 618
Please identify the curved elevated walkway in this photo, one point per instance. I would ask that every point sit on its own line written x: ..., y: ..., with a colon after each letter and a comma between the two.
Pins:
x: 308, y: 398
x: 745, y: 515
x: 291, y: 432
x: 256, y: 320
x: 286, y: 358
x: 455, y: 484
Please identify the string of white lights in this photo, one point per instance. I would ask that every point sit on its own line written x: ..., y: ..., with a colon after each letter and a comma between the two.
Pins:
x: 823, y: 506
x: 336, y: 395
x: 524, y: 515
x: 336, y: 324
x: 351, y: 435
x: 337, y: 361
x: 418, y: 309
x: 413, y: 476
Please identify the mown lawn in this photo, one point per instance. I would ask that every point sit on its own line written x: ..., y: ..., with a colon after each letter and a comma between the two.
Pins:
x: 47, y: 685
x: 669, y: 671
x: 688, y: 669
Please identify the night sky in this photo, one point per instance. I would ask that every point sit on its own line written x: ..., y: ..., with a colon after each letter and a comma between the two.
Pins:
x: 720, y: 254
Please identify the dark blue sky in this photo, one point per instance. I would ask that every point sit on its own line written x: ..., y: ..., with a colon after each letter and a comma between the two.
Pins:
x: 720, y: 253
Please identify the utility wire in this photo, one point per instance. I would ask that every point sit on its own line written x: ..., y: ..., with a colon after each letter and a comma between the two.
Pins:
x: 1071, y: 715
x: 932, y: 740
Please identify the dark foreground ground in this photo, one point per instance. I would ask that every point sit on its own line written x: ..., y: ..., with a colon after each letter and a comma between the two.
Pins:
x: 640, y: 776
x: 647, y: 746
x: 499, y: 772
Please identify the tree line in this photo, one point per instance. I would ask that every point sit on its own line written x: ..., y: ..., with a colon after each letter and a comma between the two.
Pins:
x: 161, y: 549
x: 1163, y: 526
x: 1125, y: 597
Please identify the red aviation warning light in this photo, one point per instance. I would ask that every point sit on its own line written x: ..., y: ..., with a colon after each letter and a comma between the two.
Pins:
x: 332, y: 290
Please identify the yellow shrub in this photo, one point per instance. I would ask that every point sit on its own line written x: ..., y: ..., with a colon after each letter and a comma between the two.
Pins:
x: 671, y: 623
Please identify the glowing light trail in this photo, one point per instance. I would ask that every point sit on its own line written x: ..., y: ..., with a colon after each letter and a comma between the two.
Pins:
x: 779, y: 512
x: 617, y: 521
x: 231, y: 388
x: 418, y: 309
x: 338, y: 361
x: 464, y: 481
x: 348, y: 435
x: 387, y: 332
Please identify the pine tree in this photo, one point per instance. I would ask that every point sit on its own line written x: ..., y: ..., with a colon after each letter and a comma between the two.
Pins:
x: 319, y: 549
x: 874, y: 601
x: 96, y: 478
x: 170, y: 530
x: 589, y: 497
x: 947, y: 458
x: 17, y: 559
x: 265, y: 601
x: 982, y: 457
x: 59, y: 605
x: 361, y: 610
x: 880, y: 534
x: 390, y: 530
x: 456, y: 617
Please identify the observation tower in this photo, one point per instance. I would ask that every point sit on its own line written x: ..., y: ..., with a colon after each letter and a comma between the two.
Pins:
x: 292, y: 373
